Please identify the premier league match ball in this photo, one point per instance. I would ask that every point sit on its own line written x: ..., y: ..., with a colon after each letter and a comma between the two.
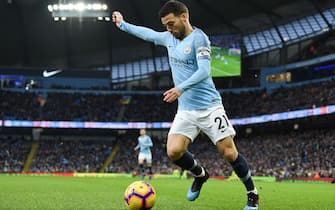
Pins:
x: 140, y: 195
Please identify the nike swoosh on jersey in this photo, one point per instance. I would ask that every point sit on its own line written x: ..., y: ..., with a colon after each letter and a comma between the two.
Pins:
x: 50, y: 73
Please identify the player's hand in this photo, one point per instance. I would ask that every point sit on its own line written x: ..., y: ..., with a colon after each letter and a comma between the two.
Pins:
x: 171, y: 95
x: 117, y: 18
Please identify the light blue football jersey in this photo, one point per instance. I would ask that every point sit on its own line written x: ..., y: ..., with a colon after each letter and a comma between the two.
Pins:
x: 144, y: 144
x: 190, y: 65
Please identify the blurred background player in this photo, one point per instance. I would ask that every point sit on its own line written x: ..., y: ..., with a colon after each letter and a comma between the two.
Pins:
x: 144, y: 144
x: 199, y: 103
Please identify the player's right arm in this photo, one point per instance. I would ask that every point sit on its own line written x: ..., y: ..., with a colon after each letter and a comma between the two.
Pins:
x: 141, y: 32
x: 137, y: 147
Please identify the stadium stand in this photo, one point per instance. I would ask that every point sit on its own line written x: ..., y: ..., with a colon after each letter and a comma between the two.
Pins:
x: 69, y: 156
x: 102, y: 107
x: 286, y: 155
x: 13, y: 153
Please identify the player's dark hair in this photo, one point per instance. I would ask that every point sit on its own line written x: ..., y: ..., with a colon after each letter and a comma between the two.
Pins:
x: 174, y: 7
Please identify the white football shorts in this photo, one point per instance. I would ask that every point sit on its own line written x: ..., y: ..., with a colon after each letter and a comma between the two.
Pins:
x: 213, y: 122
x: 145, y: 156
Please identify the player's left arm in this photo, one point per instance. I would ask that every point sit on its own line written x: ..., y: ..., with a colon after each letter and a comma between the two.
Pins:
x: 148, y: 142
x: 203, y: 58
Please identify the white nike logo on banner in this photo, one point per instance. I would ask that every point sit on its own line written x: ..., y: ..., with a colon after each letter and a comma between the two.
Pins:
x: 47, y: 73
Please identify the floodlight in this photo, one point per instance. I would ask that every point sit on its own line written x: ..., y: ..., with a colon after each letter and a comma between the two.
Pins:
x: 80, y: 10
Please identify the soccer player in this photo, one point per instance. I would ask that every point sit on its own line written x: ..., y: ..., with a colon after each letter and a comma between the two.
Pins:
x: 144, y: 144
x: 199, y: 103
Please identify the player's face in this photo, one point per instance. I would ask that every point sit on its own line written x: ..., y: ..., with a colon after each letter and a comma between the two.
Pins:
x: 142, y: 132
x: 175, y: 25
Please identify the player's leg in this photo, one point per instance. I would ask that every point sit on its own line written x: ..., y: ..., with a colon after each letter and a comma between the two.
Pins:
x: 183, y: 131
x: 177, y: 151
x: 228, y: 149
x: 177, y: 145
x: 141, y: 164
x: 181, y: 173
x: 149, y: 165
x: 221, y: 133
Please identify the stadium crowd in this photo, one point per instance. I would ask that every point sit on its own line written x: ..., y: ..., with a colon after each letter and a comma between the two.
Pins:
x: 69, y: 156
x: 13, y: 153
x: 280, y: 100
x: 281, y: 155
x: 295, y: 154
x: 151, y: 108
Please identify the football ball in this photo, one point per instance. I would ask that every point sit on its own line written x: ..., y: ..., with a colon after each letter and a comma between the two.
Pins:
x: 140, y: 195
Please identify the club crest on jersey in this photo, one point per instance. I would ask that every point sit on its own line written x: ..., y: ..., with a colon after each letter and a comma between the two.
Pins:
x: 187, y: 50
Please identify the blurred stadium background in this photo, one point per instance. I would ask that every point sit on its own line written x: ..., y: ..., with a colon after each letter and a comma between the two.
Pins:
x: 75, y: 90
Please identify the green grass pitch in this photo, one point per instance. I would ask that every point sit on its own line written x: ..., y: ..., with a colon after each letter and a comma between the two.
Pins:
x: 51, y: 192
x: 230, y: 66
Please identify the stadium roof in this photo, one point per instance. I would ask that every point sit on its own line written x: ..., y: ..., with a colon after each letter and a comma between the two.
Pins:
x: 30, y: 36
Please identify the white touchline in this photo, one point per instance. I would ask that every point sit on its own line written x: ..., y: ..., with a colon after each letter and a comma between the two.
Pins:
x: 47, y: 73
